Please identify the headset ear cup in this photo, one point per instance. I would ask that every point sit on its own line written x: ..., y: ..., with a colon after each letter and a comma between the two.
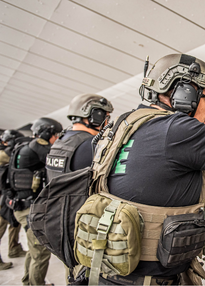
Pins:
x: 97, y: 116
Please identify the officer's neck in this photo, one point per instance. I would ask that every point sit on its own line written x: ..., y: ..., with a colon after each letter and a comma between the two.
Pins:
x: 163, y: 103
x: 157, y: 106
x: 81, y: 127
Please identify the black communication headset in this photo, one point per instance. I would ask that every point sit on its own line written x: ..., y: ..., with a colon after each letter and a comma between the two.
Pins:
x: 46, y: 132
x: 185, y: 97
x: 97, y: 116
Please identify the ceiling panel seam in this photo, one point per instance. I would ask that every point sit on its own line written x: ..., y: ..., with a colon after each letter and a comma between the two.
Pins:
x: 50, y: 81
x: 192, y: 22
x: 29, y: 52
x: 116, y: 88
x: 10, y: 58
x: 62, y: 76
x: 125, y: 26
x: 83, y: 56
x: 33, y: 98
x: 83, y: 35
x: 4, y: 75
x: 33, y: 112
x: 91, y: 74
x: 39, y: 93
x: 30, y: 107
x: 34, y: 37
x: 46, y: 87
x: 7, y: 67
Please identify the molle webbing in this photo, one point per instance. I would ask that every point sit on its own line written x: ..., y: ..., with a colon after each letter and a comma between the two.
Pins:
x: 107, y: 236
x: 153, y: 219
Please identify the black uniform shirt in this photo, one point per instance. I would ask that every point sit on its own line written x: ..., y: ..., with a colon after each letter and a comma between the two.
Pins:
x: 82, y: 156
x: 161, y: 166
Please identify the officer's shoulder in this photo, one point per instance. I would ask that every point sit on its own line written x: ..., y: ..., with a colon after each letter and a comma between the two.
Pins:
x: 41, y: 141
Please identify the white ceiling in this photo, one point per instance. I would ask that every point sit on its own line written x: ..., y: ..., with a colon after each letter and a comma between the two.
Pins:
x: 52, y: 50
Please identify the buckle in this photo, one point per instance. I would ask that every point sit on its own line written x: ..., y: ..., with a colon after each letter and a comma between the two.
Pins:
x: 105, y: 222
x: 110, y: 135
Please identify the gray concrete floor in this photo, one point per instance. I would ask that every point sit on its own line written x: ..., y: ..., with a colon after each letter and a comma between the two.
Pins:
x: 12, y: 276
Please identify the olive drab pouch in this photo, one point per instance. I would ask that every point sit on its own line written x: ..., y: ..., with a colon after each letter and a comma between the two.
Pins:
x: 108, y: 236
x: 182, y: 239
x: 52, y: 215
x: 37, y: 179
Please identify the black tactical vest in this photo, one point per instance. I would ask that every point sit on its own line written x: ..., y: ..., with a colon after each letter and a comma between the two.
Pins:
x: 59, y: 159
x: 4, y: 160
x: 21, y: 180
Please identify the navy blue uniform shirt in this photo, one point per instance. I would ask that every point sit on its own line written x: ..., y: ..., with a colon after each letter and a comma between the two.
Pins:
x: 161, y: 166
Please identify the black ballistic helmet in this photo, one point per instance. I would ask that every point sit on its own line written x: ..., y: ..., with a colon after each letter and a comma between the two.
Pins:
x: 45, y: 128
x: 11, y: 134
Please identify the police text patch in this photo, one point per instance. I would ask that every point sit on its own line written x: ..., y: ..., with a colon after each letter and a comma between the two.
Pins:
x: 55, y: 163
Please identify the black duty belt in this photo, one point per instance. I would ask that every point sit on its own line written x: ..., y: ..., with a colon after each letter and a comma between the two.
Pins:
x: 18, y: 205
x: 25, y: 204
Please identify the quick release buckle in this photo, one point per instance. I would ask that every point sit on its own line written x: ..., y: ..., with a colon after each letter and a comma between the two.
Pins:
x: 105, y: 221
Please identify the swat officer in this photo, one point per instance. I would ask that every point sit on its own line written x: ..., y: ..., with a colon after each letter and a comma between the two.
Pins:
x: 73, y: 150
x: 162, y: 164
x: 27, y: 167
x: 8, y: 140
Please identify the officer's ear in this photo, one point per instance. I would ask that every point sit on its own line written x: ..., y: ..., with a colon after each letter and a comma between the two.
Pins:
x: 53, y: 139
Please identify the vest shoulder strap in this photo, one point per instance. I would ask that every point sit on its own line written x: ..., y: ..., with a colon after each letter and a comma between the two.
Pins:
x: 202, y: 195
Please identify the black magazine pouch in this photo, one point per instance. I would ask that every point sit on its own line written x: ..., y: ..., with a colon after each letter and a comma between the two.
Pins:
x: 182, y: 239
x: 3, y: 176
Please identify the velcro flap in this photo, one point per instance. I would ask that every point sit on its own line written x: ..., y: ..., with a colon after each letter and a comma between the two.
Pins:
x: 37, y: 225
x: 99, y: 244
x: 39, y: 208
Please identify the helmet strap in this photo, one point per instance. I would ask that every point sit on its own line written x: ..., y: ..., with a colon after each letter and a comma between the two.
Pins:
x: 79, y: 120
x: 164, y: 106
x: 89, y: 126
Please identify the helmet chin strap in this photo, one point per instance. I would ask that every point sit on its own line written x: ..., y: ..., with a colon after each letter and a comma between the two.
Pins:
x: 164, y: 106
x: 79, y: 120
x: 89, y: 126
